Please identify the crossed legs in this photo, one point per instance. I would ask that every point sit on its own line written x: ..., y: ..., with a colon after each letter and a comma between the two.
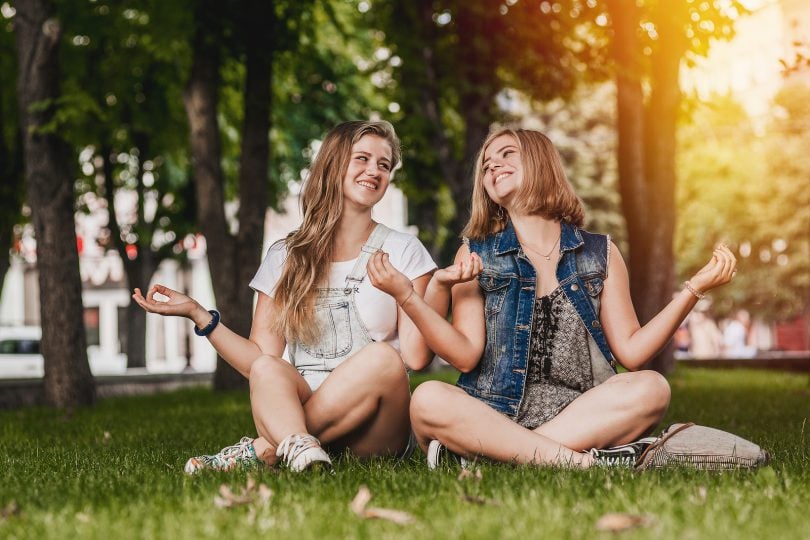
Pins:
x: 616, y: 412
x: 362, y: 405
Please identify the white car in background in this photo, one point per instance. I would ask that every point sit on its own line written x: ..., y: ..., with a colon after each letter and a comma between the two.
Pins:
x: 20, y: 357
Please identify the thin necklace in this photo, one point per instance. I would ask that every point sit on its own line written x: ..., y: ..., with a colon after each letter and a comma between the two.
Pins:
x: 546, y: 256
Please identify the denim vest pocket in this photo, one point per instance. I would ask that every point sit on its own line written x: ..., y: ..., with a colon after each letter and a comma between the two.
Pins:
x: 332, y: 318
x: 494, y: 287
x: 593, y: 284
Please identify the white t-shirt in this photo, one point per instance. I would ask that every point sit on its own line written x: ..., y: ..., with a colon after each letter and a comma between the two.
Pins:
x: 377, y: 309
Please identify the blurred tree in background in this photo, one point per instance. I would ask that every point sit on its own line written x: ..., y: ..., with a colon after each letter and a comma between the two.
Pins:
x: 749, y: 188
x: 198, y: 115
x: 50, y: 195
x: 450, y: 62
x: 651, y: 40
x: 121, y: 116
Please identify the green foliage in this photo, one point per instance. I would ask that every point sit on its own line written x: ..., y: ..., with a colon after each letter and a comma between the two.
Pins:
x: 748, y: 188
x: 582, y: 130
x: 319, y: 83
x: 69, y: 478
x: 123, y: 66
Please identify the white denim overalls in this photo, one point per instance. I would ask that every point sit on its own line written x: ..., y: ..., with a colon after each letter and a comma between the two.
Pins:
x: 341, y: 331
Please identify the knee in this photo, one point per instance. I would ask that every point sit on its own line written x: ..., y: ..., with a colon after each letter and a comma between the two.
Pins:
x: 264, y: 367
x: 384, y: 362
x: 651, y: 392
x: 428, y: 399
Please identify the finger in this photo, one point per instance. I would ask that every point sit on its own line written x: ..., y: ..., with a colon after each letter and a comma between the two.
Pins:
x: 479, y: 264
x: 149, y: 297
x: 376, y: 263
x: 165, y: 291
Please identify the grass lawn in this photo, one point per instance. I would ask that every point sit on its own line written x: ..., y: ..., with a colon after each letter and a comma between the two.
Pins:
x: 115, y: 471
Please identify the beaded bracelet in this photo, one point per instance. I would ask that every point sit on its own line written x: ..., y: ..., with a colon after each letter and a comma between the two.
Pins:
x: 210, y: 326
x: 699, y: 295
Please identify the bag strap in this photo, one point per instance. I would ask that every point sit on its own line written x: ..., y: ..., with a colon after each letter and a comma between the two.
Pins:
x: 660, y: 442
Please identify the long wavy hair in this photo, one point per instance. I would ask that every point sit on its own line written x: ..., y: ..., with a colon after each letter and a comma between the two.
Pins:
x: 545, y: 190
x: 310, y: 247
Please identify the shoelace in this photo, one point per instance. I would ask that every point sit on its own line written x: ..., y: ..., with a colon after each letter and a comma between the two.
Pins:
x: 237, y: 450
x: 294, y: 445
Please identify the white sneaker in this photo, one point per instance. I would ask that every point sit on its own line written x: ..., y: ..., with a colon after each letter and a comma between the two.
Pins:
x: 300, y: 452
x: 439, y: 456
x: 241, y: 453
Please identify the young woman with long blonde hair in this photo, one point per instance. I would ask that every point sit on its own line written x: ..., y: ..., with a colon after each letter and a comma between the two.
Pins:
x: 346, y: 385
x: 538, y: 334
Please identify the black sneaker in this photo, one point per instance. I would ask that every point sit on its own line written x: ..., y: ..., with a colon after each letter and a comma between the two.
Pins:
x: 439, y: 456
x: 624, y: 455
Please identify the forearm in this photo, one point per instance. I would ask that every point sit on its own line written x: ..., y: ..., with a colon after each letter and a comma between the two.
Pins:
x: 428, y: 314
x: 237, y: 350
x: 415, y: 351
x: 641, y: 345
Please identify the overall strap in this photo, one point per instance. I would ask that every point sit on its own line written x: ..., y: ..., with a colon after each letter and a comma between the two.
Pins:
x: 374, y: 243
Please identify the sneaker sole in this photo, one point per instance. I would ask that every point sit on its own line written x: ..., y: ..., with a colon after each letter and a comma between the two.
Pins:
x: 433, y: 452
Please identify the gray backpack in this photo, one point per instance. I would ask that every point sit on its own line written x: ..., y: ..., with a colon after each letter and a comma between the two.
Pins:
x: 700, y: 447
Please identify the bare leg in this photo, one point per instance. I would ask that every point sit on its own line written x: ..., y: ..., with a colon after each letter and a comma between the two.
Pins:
x: 620, y: 410
x: 469, y: 427
x: 363, y: 404
x: 277, y: 394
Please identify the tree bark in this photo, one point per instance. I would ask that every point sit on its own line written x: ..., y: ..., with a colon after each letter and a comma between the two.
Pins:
x: 661, y: 124
x: 646, y: 154
x: 478, y: 61
x: 49, y: 186
x: 631, y: 136
x: 233, y: 261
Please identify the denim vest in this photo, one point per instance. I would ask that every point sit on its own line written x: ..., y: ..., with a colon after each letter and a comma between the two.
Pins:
x: 508, y: 285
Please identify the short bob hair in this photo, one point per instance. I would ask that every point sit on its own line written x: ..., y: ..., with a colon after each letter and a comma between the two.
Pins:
x: 545, y: 189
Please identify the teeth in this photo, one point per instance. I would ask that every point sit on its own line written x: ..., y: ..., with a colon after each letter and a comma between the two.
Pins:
x: 500, y: 176
x: 368, y: 185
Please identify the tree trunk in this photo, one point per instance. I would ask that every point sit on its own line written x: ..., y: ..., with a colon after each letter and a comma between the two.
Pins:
x: 646, y: 155
x: 477, y: 100
x: 233, y: 261
x: 630, y: 151
x: 68, y: 381
x: 253, y: 176
x: 661, y: 125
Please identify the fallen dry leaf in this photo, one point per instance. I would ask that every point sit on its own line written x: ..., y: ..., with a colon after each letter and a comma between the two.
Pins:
x: 359, y: 507
x: 11, y: 509
x: 622, y: 522
x: 265, y: 493
x: 466, y: 474
x: 228, y: 499
x: 358, y: 504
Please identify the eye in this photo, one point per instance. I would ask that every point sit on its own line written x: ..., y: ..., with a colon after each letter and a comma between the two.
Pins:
x: 385, y: 166
x: 362, y: 158
x: 486, y: 168
x: 507, y: 152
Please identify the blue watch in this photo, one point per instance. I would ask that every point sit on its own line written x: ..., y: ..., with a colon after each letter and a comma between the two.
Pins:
x: 210, y: 326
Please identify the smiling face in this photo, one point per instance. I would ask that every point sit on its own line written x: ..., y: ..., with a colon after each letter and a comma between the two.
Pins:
x: 369, y: 171
x: 502, y: 169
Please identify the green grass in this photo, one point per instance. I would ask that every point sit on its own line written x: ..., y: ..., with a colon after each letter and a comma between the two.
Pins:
x: 69, y: 480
